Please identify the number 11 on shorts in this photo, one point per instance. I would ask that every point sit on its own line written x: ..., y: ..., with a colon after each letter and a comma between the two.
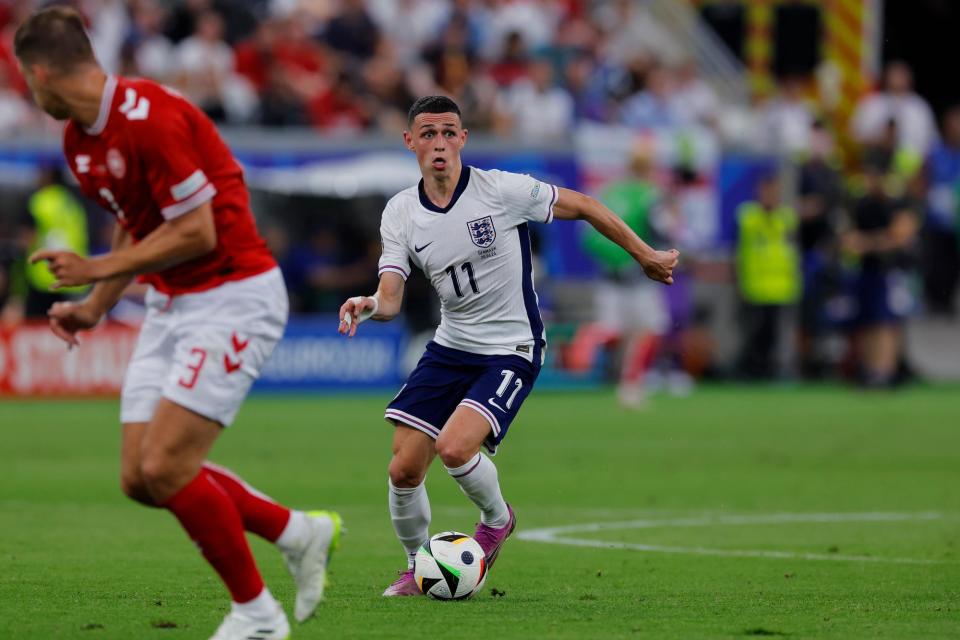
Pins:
x: 508, y: 377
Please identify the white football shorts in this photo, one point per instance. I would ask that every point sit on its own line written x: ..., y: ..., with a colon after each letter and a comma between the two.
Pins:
x: 633, y: 306
x: 203, y: 350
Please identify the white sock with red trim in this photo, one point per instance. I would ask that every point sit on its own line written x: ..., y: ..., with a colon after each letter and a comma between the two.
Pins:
x: 410, y: 513
x: 478, y: 480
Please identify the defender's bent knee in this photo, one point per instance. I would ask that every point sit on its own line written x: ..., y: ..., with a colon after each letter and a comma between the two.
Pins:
x: 163, y: 476
x: 405, y: 475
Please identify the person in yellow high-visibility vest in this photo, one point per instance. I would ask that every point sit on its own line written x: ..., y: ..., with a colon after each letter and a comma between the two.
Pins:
x: 55, y: 219
x: 768, y: 275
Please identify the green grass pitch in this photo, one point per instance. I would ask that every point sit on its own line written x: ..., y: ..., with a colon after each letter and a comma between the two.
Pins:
x: 799, y: 513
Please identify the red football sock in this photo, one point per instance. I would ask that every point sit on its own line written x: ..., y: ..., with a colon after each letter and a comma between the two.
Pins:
x: 260, y: 514
x: 639, y: 358
x: 212, y: 521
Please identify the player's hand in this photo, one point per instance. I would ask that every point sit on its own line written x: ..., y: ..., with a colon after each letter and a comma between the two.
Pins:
x: 68, y: 268
x: 660, y: 266
x: 67, y: 318
x: 350, y: 313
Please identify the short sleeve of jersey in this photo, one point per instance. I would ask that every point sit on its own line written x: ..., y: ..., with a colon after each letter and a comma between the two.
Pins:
x: 173, y: 164
x: 395, y: 256
x: 526, y: 199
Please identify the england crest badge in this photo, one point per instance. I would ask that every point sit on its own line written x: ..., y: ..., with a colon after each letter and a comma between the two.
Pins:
x: 482, y: 231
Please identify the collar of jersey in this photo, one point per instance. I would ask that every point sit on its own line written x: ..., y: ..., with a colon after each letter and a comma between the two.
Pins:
x: 106, y: 101
x: 461, y: 186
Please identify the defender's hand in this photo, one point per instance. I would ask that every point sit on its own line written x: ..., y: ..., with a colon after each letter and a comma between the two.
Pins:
x: 660, y: 266
x: 67, y: 318
x: 68, y: 268
x: 350, y: 313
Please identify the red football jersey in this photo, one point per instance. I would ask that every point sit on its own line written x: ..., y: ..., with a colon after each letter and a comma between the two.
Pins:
x: 152, y: 156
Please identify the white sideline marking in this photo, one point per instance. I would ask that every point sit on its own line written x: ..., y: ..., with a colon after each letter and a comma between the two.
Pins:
x: 559, y: 535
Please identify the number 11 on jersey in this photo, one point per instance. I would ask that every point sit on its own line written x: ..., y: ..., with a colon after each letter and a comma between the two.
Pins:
x: 467, y: 268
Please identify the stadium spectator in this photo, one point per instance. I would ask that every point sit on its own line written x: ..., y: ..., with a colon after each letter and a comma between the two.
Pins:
x: 352, y: 31
x: 535, y: 110
x: 917, y: 129
x: 821, y: 199
x: 585, y: 86
x: 787, y: 120
x: 387, y: 94
x: 151, y: 50
x: 54, y: 219
x: 695, y: 98
x: 108, y: 22
x: 340, y: 108
x: 453, y: 38
x: 472, y: 89
x: 883, y: 230
x: 453, y: 70
x: 655, y: 106
x: 513, y: 63
x: 575, y: 34
x: 768, y: 275
x: 535, y: 22
x: 238, y: 17
x: 286, y: 67
x: 205, y: 73
x: 683, y: 220
x: 476, y: 16
x: 410, y: 24
x: 15, y: 111
x: 941, y: 262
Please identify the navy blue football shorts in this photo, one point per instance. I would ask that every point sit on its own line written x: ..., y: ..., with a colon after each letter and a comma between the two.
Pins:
x: 445, y: 378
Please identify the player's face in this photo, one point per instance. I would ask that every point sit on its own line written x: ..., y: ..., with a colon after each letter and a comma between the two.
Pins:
x: 437, y: 139
x: 37, y: 78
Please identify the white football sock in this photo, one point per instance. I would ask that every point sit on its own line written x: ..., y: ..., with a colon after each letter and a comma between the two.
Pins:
x: 296, y: 534
x: 478, y: 480
x: 410, y: 513
x: 263, y: 607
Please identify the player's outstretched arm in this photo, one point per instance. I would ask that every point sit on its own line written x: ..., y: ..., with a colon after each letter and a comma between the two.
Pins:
x: 573, y: 205
x: 383, y: 306
x: 183, y: 238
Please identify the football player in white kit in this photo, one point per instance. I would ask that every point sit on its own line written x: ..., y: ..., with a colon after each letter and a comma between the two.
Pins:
x: 466, y: 229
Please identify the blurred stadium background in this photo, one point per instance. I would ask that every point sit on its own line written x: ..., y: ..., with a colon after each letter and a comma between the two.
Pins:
x: 700, y: 102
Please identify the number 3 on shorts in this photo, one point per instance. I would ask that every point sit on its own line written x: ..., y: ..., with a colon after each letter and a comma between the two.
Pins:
x: 199, y: 359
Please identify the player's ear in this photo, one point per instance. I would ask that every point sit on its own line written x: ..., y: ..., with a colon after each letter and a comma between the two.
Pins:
x: 408, y: 140
x: 32, y: 72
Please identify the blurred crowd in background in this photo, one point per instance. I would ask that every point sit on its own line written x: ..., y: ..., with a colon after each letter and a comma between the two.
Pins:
x: 529, y: 68
x: 851, y: 231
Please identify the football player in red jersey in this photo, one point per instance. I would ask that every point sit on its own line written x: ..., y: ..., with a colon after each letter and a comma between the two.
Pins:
x: 216, y: 307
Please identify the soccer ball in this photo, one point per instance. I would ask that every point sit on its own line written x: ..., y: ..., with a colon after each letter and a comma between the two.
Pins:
x: 450, y: 566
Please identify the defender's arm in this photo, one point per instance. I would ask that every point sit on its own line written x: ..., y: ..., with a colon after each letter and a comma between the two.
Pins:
x: 183, y: 238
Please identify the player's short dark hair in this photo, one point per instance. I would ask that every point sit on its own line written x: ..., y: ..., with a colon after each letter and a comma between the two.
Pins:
x: 432, y: 104
x: 54, y: 36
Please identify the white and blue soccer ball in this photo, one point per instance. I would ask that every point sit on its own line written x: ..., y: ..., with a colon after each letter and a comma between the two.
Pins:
x: 450, y: 566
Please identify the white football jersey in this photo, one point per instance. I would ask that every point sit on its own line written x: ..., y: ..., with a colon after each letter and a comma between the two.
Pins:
x: 476, y: 253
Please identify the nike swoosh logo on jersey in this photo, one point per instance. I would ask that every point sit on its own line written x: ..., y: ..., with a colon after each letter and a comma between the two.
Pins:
x: 419, y: 249
x: 494, y: 403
